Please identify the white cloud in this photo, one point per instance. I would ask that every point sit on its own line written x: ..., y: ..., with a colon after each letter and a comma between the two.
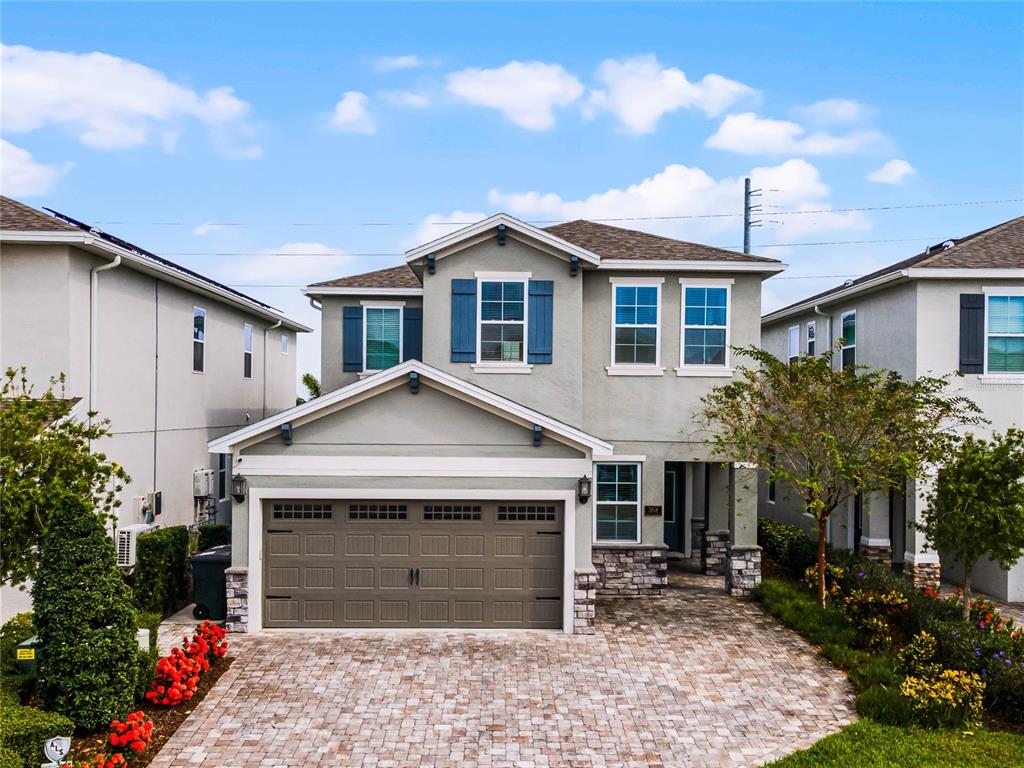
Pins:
x: 206, y: 228
x: 639, y: 91
x: 352, y: 114
x: 291, y: 263
x: 392, y: 63
x: 525, y: 92
x: 749, y: 134
x: 438, y: 225
x: 408, y: 99
x: 106, y: 101
x: 832, y: 111
x: 893, y: 172
x: 22, y: 176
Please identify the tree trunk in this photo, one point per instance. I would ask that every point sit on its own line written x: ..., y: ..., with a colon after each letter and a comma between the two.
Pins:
x: 822, y: 524
x: 967, y: 589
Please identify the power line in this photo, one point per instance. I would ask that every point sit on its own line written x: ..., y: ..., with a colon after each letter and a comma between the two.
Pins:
x: 819, y: 211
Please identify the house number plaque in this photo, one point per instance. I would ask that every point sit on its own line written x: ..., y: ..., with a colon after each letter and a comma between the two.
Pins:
x: 652, y: 510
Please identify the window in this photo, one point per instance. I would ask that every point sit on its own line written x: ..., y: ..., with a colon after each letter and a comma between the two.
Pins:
x: 502, y: 321
x: 247, y: 351
x: 812, y: 336
x: 849, y: 335
x: 382, y: 342
x: 224, y: 462
x: 705, y: 325
x: 617, y: 502
x: 794, y: 343
x: 771, y: 491
x: 284, y: 343
x: 1004, y: 343
x: 198, y: 340
x: 636, y: 324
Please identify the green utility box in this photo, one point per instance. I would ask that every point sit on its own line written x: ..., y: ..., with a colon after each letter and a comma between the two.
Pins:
x: 208, y: 583
x: 27, y: 653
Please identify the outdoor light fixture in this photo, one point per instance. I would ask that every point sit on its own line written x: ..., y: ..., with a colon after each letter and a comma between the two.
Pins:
x: 583, y: 489
x: 238, y: 487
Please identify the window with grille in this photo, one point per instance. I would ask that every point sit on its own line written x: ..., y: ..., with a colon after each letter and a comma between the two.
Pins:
x: 527, y: 513
x: 451, y: 512
x: 378, y: 512
x: 636, y: 325
x: 502, y: 321
x: 303, y: 511
x: 848, y: 323
x: 1005, y: 343
x: 617, y: 502
x: 705, y: 325
x: 383, y: 342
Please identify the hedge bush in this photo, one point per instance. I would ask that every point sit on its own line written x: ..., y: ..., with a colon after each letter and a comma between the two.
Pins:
x: 787, y: 545
x: 213, y: 535
x: 24, y: 729
x: 84, y: 619
x: 15, y: 630
x: 161, y: 569
x: 10, y: 759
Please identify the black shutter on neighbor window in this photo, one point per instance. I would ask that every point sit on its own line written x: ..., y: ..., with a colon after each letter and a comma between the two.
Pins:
x: 972, y: 333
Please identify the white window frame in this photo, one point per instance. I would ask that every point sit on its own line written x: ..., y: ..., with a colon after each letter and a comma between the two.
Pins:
x: 991, y: 292
x: 726, y: 368
x: 812, y: 337
x: 223, y: 476
x: 247, y: 348
x: 400, y: 306
x: 284, y: 343
x: 635, y: 369
x: 856, y: 326
x: 503, y: 366
x: 793, y: 343
x: 206, y: 332
x: 639, y: 503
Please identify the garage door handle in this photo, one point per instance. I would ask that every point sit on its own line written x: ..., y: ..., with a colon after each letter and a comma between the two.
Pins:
x: 279, y: 530
x: 548, y: 533
x: 279, y: 597
x: 547, y: 598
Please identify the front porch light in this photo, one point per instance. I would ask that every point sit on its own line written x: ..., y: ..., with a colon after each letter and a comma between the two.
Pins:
x: 583, y: 489
x: 238, y: 487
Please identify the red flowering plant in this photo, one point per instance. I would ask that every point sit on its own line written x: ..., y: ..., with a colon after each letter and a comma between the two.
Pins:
x: 214, y: 635
x: 134, y: 733
x: 100, y: 761
x: 177, y: 677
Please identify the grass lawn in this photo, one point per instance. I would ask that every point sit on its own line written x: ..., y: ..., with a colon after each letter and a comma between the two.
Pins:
x: 867, y: 744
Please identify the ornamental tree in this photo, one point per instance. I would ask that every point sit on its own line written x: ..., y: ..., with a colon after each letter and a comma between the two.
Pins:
x: 976, y: 505
x: 831, y: 434
x: 45, y: 455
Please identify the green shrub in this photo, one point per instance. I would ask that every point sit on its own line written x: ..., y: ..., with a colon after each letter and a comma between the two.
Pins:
x: 15, y: 630
x: 885, y: 704
x: 213, y: 535
x: 84, y: 620
x: 145, y: 672
x: 787, y: 545
x: 10, y: 759
x: 161, y: 575
x: 797, y: 608
x: 950, y: 698
x: 24, y: 729
x: 150, y: 620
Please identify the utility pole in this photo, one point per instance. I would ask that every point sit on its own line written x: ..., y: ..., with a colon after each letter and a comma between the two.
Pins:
x: 749, y: 209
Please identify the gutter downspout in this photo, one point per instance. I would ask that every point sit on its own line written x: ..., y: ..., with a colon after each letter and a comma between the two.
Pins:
x: 314, y: 305
x: 266, y: 332
x: 94, y: 302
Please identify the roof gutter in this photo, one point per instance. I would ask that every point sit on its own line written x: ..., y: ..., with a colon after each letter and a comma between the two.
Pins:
x: 94, y: 313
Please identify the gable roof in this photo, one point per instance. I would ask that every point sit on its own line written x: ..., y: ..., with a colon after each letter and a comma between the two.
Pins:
x: 397, y: 280
x: 612, y: 242
x: 1000, y: 247
x: 18, y: 217
x: 387, y: 380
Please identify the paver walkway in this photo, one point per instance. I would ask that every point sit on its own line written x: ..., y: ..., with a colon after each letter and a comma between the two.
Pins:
x: 1013, y: 611
x: 692, y: 679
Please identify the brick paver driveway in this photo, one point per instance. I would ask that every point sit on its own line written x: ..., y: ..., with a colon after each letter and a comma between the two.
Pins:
x: 692, y: 679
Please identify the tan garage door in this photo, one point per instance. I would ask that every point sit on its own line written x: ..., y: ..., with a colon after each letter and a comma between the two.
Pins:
x: 365, y: 563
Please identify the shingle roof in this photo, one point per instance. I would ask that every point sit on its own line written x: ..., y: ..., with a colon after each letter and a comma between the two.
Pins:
x: 392, y: 277
x: 610, y: 242
x: 998, y: 247
x: 18, y: 217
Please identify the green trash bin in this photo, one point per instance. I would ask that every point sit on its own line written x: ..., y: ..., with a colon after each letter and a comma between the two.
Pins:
x: 208, y: 585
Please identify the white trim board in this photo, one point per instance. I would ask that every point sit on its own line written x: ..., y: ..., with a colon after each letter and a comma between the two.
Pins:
x: 703, y: 265
x: 349, y: 290
x: 256, y: 497
x: 409, y: 466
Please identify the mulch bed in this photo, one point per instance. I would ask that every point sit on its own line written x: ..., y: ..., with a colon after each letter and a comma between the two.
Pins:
x: 166, y: 721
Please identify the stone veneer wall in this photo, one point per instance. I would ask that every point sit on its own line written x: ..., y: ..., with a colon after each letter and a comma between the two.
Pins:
x: 877, y: 554
x: 922, y: 575
x: 743, y: 570
x: 715, y: 552
x: 238, y: 599
x: 584, y: 603
x: 630, y: 571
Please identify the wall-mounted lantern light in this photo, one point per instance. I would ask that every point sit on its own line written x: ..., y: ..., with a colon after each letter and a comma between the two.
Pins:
x: 238, y: 487
x: 583, y: 489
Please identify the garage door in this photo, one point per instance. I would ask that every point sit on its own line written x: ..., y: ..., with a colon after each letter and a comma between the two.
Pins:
x: 359, y: 563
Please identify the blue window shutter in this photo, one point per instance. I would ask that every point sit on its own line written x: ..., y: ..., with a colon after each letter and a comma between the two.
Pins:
x: 412, y: 334
x: 352, y: 339
x: 972, y: 332
x: 463, y: 321
x: 541, y: 321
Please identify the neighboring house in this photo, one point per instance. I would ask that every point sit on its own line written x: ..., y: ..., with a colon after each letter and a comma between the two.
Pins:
x: 959, y: 306
x: 172, y: 358
x: 510, y: 426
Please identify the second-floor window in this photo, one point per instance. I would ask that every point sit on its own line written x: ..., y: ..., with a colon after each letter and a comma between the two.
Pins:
x: 848, y: 331
x: 1005, y: 334
x: 812, y: 336
x: 636, y: 324
x: 705, y: 325
x: 794, y: 342
x: 284, y: 343
x: 383, y: 341
x: 502, y: 321
x: 246, y: 351
x: 198, y: 340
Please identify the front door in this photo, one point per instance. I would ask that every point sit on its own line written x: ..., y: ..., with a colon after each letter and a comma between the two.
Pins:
x: 673, y: 509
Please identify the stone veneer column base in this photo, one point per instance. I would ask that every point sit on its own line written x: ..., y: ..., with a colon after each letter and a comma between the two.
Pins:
x: 923, y: 575
x: 237, y: 579
x: 881, y: 555
x: 635, y: 570
x: 743, y: 570
x: 715, y: 552
x: 584, y: 603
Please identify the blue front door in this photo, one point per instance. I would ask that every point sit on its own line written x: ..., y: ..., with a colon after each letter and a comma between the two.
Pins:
x: 673, y: 513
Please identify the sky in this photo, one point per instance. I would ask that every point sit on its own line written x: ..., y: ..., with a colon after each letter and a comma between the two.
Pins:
x: 269, y: 146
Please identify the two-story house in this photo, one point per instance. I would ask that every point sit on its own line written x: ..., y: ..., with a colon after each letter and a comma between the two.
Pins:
x: 171, y: 357
x: 510, y: 425
x: 957, y: 307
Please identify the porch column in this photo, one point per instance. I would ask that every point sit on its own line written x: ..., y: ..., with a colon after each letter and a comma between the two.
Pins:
x: 743, y: 567
x: 874, y: 537
x: 716, y: 535
x: 921, y: 564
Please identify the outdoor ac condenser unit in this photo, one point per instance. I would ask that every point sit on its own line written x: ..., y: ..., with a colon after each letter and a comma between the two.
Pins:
x: 125, y: 540
x: 202, y: 483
